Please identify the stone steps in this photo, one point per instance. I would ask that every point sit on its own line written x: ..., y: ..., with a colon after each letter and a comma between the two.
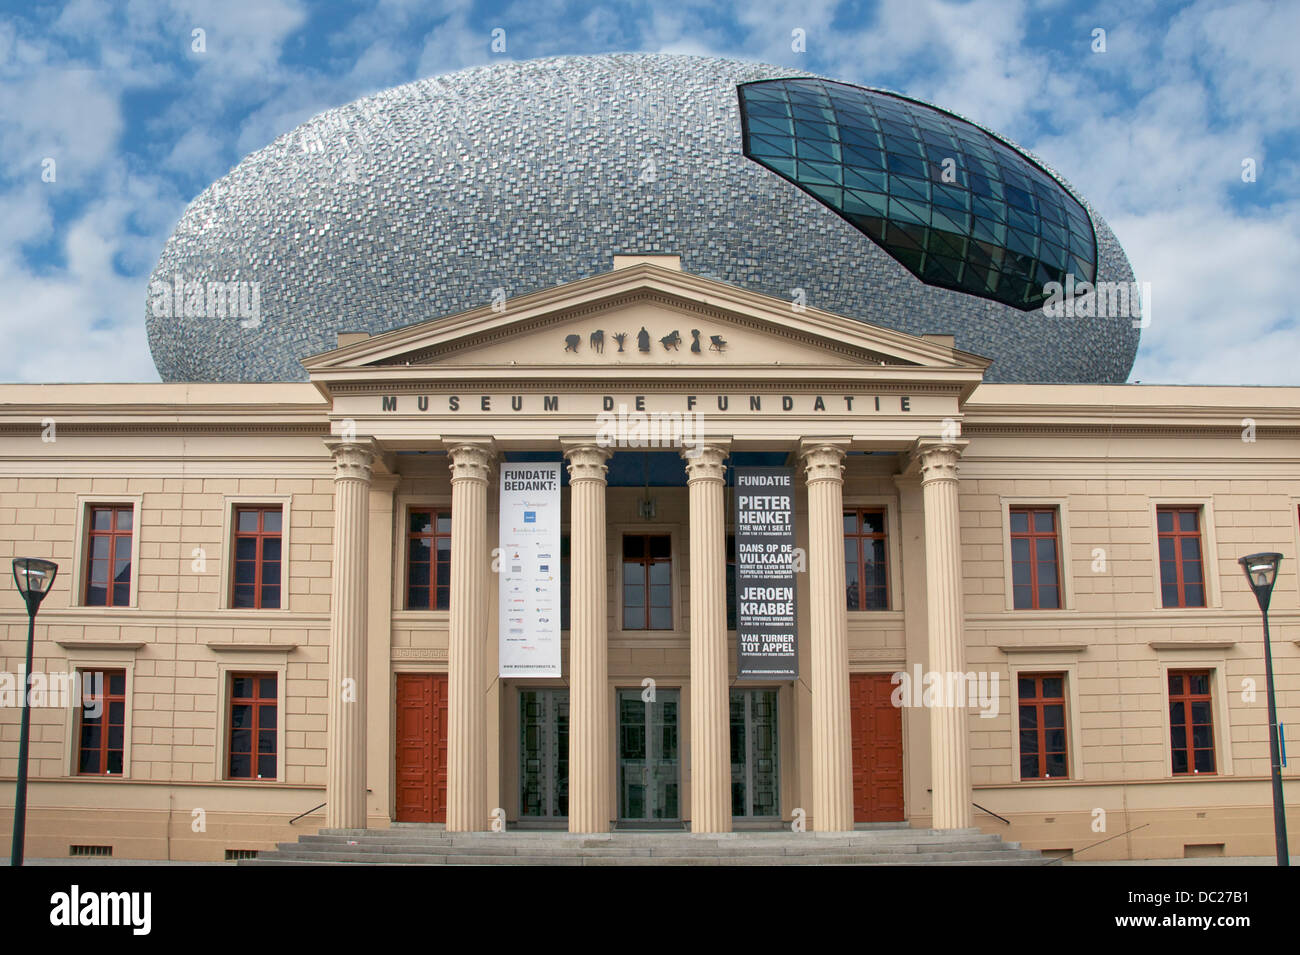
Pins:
x: 413, y: 844
x: 307, y: 852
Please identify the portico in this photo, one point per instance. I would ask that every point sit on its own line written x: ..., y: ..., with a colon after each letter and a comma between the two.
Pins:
x: 598, y: 373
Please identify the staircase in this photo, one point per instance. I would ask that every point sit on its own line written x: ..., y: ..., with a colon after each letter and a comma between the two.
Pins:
x: 418, y: 844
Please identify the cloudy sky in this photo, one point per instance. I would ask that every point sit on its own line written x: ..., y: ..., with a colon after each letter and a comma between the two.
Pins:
x: 111, y: 102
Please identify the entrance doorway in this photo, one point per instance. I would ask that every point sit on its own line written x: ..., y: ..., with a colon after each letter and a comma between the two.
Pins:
x: 877, y: 749
x: 544, y: 754
x: 421, y: 757
x: 649, y: 774
x: 755, y: 776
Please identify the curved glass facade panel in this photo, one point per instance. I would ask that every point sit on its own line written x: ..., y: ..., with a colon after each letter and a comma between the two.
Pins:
x: 957, y: 207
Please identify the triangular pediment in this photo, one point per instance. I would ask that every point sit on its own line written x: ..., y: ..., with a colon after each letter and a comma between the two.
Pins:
x: 637, y: 319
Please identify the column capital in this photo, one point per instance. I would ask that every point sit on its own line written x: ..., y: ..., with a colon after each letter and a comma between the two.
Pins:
x: 354, y: 459
x: 704, y: 460
x: 823, y: 459
x: 936, y: 460
x: 586, y: 460
x: 471, y: 459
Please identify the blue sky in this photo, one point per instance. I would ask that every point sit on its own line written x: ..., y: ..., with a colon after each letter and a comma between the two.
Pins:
x: 1153, y: 131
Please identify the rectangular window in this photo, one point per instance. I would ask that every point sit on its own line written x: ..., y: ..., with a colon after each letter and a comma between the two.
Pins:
x: 1043, y: 750
x: 256, y: 578
x: 108, y: 556
x: 1035, y: 574
x: 253, y: 722
x: 866, y: 569
x: 1182, y: 582
x: 428, y: 559
x: 1191, y: 722
x: 101, y: 731
x: 647, y: 582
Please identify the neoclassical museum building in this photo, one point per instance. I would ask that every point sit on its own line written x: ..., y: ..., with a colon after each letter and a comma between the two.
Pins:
x: 645, y: 441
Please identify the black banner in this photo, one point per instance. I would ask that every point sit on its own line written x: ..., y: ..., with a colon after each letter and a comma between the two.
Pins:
x: 765, y: 587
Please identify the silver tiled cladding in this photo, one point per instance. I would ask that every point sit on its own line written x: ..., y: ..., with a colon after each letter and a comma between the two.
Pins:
x: 422, y: 200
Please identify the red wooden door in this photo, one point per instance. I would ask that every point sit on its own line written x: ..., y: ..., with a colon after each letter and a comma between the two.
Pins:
x: 421, y: 747
x: 877, y: 749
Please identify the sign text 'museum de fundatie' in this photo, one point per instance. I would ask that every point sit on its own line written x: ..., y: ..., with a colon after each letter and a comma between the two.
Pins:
x: 830, y: 402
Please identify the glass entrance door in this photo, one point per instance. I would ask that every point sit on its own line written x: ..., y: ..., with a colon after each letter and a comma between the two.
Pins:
x: 648, y: 770
x: 544, y: 754
x: 755, y: 776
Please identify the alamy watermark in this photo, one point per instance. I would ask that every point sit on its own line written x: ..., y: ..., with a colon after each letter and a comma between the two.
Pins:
x: 194, y: 298
x: 58, y: 690
x: 933, y: 689
x: 621, y: 428
x: 1075, y: 299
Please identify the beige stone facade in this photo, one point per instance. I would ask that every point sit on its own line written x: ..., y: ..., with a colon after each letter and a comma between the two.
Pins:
x: 869, y: 418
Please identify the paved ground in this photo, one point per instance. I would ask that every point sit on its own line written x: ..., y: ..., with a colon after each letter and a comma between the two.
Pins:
x: 1233, y: 861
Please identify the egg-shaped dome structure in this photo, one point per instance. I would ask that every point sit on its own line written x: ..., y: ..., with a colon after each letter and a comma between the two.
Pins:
x: 439, y: 195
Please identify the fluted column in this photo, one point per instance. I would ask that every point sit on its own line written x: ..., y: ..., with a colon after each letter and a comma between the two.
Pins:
x: 345, y: 781
x: 828, y: 615
x: 949, y: 753
x: 467, y: 680
x: 710, y: 703
x: 590, y: 772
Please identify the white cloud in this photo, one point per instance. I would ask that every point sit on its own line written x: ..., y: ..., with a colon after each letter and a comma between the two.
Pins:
x: 1152, y: 132
x: 454, y: 44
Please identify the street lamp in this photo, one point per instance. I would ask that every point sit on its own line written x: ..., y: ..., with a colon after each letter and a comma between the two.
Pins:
x: 1261, y: 571
x: 34, y: 577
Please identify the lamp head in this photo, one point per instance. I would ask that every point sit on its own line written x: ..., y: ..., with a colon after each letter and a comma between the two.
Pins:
x: 34, y: 577
x: 1261, y: 571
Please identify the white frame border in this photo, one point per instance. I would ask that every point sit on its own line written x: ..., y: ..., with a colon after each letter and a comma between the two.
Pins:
x: 1064, y: 554
x: 1218, y: 713
x: 1031, y: 663
x: 250, y: 662
x: 228, y: 504
x: 893, y: 553
x: 79, y: 561
x: 1209, y: 551
x: 614, y: 560
x: 102, y: 659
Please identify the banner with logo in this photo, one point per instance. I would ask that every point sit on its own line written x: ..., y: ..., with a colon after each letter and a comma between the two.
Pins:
x: 529, y: 580
x: 765, y: 566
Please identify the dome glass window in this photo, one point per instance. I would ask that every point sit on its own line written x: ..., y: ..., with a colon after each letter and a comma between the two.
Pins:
x: 956, y: 206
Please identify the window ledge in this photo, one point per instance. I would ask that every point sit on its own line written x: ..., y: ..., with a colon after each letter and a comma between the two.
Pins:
x: 1043, y: 648
x: 225, y: 646
x: 100, y: 644
x: 1192, y: 644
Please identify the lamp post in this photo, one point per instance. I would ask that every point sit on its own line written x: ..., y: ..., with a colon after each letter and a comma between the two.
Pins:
x: 1261, y: 571
x: 34, y: 577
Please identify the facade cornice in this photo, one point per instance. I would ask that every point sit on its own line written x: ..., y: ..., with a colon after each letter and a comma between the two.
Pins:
x: 673, y: 378
x: 317, y: 425
x: 1178, y: 426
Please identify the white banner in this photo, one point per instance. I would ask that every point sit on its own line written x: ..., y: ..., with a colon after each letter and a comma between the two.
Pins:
x: 528, y: 589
